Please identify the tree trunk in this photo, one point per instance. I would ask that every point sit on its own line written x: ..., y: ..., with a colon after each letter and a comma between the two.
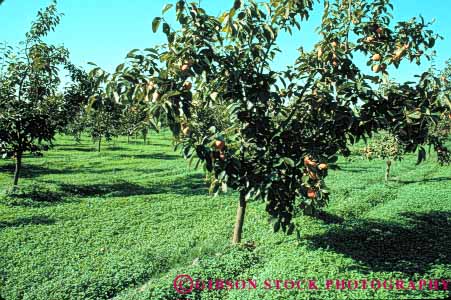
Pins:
x: 128, y: 138
x: 240, y: 213
x: 387, y: 171
x: 145, y: 139
x: 100, y: 142
x: 17, y: 170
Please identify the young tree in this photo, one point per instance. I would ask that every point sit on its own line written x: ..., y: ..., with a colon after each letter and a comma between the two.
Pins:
x: 29, y: 99
x: 76, y: 100
x: 269, y: 150
x: 103, y: 119
x: 135, y: 119
x: 384, y: 146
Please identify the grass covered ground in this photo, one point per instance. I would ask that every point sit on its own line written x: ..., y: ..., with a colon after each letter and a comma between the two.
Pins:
x: 121, y: 224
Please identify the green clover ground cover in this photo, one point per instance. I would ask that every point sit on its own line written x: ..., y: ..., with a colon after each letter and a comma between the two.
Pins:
x: 124, y: 222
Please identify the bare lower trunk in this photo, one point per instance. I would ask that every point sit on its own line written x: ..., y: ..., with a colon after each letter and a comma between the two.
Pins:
x: 240, y: 213
x: 100, y: 142
x: 17, y: 170
x: 145, y: 139
x: 128, y: 138
x: 387, y: 171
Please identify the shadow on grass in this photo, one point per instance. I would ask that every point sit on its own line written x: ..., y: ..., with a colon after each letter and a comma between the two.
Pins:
x: 189, y: 185
x: 422, y: 240
x: 74, y: 148
x: 33, y: 171
x: 160, y: 144
x: 357, y: 169
x: 161, y: 155
x: 436, y: 179
x: 35, y: 195
x: 30, y: 171
x: 34, y: 220
x: 89, y: 148
x: 329, y: 218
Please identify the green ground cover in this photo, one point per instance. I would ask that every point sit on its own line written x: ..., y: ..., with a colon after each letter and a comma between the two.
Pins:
x: 122, y: 223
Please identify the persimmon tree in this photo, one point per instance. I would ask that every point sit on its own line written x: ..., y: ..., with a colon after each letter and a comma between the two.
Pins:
x: 135, y: 119
x: 103, y: 112
x: 384, y: 146
x: 76, y: 99
x: 29, y: 99
x: 267, y: 149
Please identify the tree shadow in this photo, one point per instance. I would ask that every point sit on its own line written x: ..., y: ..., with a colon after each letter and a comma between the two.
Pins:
x: 113, y: 148
x: 90, y: 148
x: 160, y: 155
x: 33, y: 196
x: 160, y: 144
x: 357, y: 169
x: 414, y: 246
x: 328, y: 218
x: 73, y: 148
x: 189, y: 185
x: 31, y: 170
x: 423, y: 181
x: 34, y: 220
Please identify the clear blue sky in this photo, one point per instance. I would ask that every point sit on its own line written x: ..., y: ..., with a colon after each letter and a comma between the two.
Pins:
x: 103, y: 31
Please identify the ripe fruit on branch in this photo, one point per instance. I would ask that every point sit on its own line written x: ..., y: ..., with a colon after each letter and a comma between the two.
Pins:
x: 323, y: 167
x: 186, y: 131
x: 308, y: 162
x: 335, y: 63
x: 219, y: 145
x: 222, y: 156
x: 334, y: 44
x: 155, y: 97
x: 383, y: 67
x: 184, y: 67
x: 187, y: 85
x: 444, y: 79
x: 379, y: 30
x: 376, y: 68
x: 150, y: 85
x: 369, y: 39
x: 311, y: 193
x: 319, y: 51
x: 376, y: 57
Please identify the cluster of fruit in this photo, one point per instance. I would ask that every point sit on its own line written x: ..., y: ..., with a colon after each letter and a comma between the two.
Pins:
x: 152, y: 87
x: 219, y: 145
x: 314, y: 170
x: 378, y: 61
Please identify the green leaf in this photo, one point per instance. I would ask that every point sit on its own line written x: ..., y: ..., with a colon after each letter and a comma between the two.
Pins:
x: 166, y: 8
x: 288, y: 162
x: 415, y: 115
x: 155, y: 24
x: 166, y: 28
